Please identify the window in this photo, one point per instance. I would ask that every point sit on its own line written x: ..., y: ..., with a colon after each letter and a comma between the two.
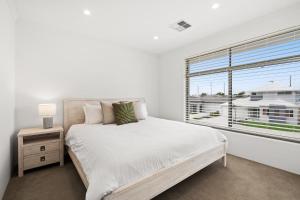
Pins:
x: 289, y: 113
x: 265, y: 111
x: 285, y: 93
x: 256, y: 96
x: 253, y: 113
x: 252, y: 87
x: 193, y: 108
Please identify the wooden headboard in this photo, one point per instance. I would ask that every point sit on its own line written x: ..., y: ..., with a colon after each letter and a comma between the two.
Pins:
x: 73, y: 111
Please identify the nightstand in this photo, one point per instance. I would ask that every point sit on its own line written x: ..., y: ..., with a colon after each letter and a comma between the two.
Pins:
x: 38, y: 147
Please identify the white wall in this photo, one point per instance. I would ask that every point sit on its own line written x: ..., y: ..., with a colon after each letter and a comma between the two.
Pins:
x: 53, y: 64
x: 7, y: 92
x: 276, y: 153
x: 172, y: 66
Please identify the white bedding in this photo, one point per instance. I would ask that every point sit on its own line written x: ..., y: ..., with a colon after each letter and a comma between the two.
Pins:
x: 112, y: 156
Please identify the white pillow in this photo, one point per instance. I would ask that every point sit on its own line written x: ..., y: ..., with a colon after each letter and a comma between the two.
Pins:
x: 108, y: 112
x: 93, y: 114
x: 140, y: 110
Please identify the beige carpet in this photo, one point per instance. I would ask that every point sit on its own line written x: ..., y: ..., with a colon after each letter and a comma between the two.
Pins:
x: 241, y: 180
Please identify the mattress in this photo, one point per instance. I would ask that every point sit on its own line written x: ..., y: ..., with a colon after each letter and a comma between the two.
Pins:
x: 113, y: 156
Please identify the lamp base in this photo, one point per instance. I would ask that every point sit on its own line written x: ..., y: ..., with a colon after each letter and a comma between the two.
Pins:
x: 47, y: 122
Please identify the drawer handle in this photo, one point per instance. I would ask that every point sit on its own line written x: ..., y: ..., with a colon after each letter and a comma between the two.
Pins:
x: 42, y: 148
x: 42, y: 159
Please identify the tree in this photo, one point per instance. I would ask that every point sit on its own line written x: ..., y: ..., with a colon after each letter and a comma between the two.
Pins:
x: 220, y: 94
x: 203, y: 94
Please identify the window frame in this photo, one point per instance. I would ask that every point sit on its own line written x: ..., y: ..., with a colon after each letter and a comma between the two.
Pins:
x: 229, y: 69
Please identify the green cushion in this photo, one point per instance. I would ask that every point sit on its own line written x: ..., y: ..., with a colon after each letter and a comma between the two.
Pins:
x: 124, y: 113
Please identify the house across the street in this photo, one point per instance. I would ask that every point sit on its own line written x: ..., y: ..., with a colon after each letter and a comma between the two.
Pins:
x: 270, y: 103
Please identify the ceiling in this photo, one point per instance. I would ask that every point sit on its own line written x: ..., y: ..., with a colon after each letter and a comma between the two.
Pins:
x: 134, y: 23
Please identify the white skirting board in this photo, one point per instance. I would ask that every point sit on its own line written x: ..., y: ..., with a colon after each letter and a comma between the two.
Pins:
x: 276, y: 153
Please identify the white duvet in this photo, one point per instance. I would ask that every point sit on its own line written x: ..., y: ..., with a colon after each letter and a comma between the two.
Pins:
x: 112, y: 156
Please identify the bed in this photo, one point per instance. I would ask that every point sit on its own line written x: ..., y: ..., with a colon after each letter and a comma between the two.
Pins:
x: 140, y: 160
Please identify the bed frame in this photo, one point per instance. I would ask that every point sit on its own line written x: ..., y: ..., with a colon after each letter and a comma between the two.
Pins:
x: 150, y: 186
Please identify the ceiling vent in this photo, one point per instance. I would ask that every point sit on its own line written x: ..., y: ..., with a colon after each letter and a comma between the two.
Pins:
x: 180, y: 26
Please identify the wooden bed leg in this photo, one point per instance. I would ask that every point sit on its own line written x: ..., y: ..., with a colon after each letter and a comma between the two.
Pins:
x: 224, y: 161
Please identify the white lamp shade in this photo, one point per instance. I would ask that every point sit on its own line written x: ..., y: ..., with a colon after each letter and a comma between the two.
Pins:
x: 47, y: 110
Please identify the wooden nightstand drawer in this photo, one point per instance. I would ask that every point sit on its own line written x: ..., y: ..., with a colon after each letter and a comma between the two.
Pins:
x: 40, y: 160
x: 41, y: 148
x: 38, y: 147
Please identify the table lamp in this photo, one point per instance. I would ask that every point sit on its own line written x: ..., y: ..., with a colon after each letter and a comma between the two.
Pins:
x: 47, y: 111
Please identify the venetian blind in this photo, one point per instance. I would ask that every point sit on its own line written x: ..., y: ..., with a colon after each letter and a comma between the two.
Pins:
x: 252, y: 86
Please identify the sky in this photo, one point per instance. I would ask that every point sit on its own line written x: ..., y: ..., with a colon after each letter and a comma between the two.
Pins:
x: 249, y: 79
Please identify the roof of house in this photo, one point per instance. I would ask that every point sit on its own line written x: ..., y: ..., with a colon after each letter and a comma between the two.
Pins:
x: 274, y: 87
x: 246, y: 102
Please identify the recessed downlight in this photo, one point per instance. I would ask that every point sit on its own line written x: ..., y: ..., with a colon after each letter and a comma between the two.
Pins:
x: 155, y: 37
x: 215, y: 6
x: 87, y: 12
